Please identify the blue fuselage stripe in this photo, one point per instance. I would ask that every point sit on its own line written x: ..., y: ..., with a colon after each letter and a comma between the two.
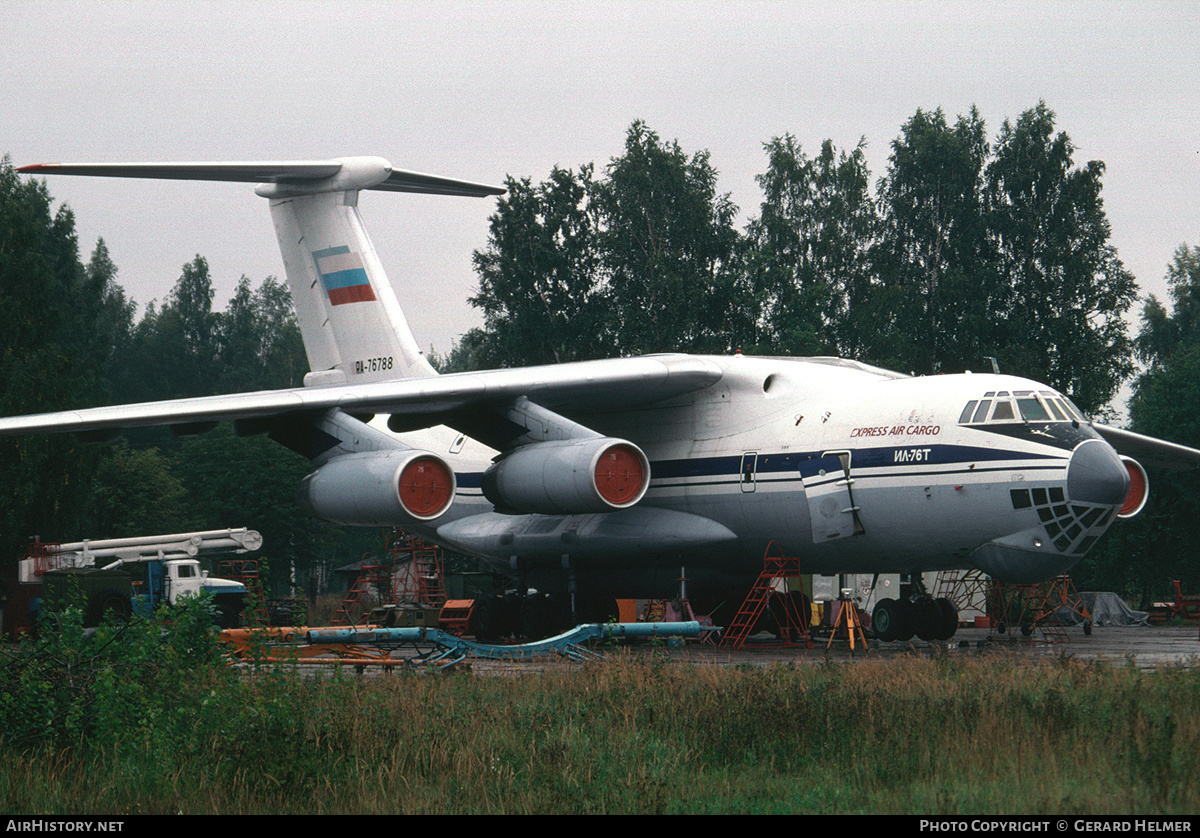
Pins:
x: 793, y: 467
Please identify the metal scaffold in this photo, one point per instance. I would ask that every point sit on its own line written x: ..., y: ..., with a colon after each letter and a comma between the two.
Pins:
x: 1039, y: 608
x: 411, y: 571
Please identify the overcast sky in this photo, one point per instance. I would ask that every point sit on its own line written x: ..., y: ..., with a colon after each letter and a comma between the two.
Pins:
x: 486, y: 90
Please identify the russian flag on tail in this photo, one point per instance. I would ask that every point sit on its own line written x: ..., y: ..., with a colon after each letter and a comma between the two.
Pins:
x: 343, y: 276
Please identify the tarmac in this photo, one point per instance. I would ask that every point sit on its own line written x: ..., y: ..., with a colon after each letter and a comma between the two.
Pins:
x: 1146, y: 647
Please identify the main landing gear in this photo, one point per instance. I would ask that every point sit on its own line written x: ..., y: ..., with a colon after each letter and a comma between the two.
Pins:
x: 922, y: 615
x: 534, y: 616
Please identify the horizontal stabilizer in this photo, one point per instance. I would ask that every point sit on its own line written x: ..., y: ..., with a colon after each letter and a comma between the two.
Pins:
x: 325, y: 175
x: 353, y: 327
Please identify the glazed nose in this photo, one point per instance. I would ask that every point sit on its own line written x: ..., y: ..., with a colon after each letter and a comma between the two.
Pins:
x: 1097, y: 475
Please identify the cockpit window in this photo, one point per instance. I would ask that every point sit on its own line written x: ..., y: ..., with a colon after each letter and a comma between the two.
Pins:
x: 1003, y: 411
x: 1072, y: 409
x: 1032, y: 409
x: 1021, y: 405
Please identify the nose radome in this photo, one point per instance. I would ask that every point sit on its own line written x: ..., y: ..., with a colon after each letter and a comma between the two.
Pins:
x: 1096, y: 474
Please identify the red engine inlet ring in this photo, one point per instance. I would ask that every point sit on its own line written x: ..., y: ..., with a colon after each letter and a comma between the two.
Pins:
x: 619, y: 474
x: 1139, y: 489
x: 426, y: 487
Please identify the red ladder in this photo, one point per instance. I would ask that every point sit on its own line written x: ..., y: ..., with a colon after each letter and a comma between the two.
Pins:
x: 355, y: 605
x: 774, y: 567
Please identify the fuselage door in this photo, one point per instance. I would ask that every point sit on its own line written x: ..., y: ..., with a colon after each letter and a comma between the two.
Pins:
x: 749, y: 467
x: 829, y: 486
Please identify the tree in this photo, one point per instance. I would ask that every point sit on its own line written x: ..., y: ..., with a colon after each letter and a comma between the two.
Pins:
x: 259, y: 346
x: 932, y: 260
x: 670, y: 252
x: 137, y: 493
x: 1163, y: 333
x: 809, y: 249
x: 538, y: 278
x: 644, y: 260
x: 173, y: 349
x: 1062, y: 292
x: 467, y: 354
x: 49, y: 360
x: 999, y: 251
x: 114, y: 326
x: 1144, y: 554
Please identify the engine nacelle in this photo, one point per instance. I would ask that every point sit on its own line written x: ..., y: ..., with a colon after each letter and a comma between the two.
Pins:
x: 569, y: 477
x: 1139, y: 489
x: 379, y: 488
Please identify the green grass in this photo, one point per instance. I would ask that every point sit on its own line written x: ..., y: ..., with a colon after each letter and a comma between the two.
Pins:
x: 632, y: 734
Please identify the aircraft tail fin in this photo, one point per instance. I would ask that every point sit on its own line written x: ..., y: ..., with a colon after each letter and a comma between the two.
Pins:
x: 352, y: 324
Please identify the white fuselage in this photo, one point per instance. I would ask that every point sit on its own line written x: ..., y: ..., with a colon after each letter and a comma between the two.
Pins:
x: 849, y: 468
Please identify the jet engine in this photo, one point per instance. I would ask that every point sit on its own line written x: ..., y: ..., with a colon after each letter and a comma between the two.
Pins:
x: 569, y: 477
x: 379, y: 488
x: 1139, y: 489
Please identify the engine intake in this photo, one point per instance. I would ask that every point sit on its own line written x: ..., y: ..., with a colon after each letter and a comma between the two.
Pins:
x: 379, y: 488
x: 569, y: 477
x: 1139, y: 489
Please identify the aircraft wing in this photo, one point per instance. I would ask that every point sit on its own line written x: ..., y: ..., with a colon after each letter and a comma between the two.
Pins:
x: 1150, y: 451
x: 588, y: 385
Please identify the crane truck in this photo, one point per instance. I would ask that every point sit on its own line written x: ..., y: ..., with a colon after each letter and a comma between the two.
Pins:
x: 122, y: 577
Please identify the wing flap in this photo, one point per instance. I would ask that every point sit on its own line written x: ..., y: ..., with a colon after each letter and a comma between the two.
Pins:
x: 173, y: 412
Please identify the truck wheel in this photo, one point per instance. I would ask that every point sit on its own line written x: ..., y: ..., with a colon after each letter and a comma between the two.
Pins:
x: 227, y: 616
x: 112, y: 608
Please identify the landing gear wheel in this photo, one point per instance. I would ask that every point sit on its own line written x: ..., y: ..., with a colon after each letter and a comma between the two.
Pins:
x: 540, y: 616
x: 1027, y: 629
x: 949, y: 615
x: 929, y: 620
x: 1087, y: 626
x: 888, y: 619
x: 509, y: 614
x: 908, y: 624
x: 485, y: 619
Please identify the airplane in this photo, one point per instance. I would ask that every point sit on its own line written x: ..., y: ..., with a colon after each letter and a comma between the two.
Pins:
x: 604, y: 479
